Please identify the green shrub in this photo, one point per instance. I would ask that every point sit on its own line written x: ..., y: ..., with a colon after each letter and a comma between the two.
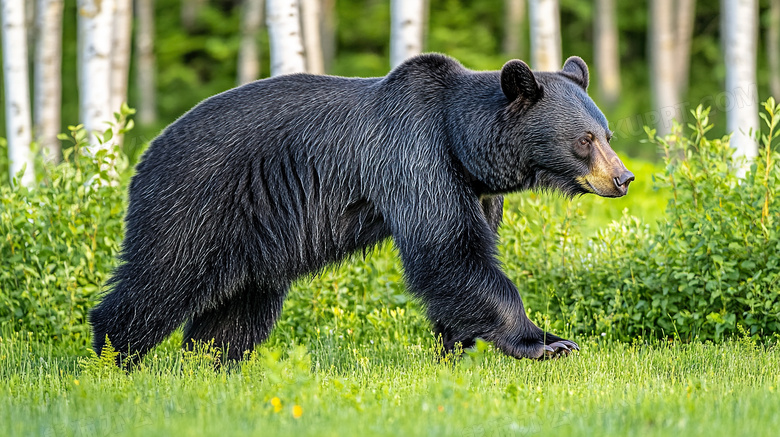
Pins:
x: 359, y: 300
x: 711, y: 265
x: 59, y: 239
x: 717, y: 258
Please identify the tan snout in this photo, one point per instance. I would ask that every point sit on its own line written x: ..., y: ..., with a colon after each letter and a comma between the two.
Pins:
x: 608, y: 176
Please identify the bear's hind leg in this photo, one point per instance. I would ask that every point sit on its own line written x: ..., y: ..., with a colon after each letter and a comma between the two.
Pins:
x: 238, y: 324
x: 137, y: 314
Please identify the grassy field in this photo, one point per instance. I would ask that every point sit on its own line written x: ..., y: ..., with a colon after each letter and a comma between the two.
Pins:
x: 337, y: 387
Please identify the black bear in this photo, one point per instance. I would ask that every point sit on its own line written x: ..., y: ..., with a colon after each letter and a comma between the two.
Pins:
x: 273, y: 180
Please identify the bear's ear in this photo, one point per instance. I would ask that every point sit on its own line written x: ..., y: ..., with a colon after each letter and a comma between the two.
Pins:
x: 575, y: 69
x: 517, y: 80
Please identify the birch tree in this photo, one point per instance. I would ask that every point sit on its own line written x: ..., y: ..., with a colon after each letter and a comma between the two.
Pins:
x: 544, y: 23
x: 606, y: 51
x: 671, y: 30
x: 120, y: 54
x: 190, y: 9
x: 685, y: 15
x: 514, y: 16
x: 29, y: 24
x: 740, y: 33
x: 145, y: 62
x: 328, y: 32
x: 47, y: 82
x: 95, y: 82
x: 248, y: 60
x: 663, y: 73
x: 773, y: 48
x: 406, y: 29
x: 312, y: 42
x: 17, y: 91
x: 284, y: 33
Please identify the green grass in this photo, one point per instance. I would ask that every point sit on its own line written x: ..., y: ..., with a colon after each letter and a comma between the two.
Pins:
x: 400, y: 388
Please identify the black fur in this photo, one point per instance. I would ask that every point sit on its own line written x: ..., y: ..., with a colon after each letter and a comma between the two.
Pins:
x: 577, y: 71
x: 278, y: 178
x: 517, y: 80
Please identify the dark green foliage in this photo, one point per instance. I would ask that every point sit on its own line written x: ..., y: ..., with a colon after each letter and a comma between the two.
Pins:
x: 716, y: 261
x: 711, y: 266
x: 59, y: 239
x: 362, y: 299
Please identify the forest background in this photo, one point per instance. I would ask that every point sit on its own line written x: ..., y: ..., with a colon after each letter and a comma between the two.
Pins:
x: 196, y: 46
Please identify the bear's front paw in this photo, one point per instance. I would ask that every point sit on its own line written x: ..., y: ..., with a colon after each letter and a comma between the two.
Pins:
x: 559, y: 348
x: 545, y: 346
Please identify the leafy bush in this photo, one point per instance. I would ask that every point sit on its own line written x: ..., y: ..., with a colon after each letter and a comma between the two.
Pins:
x: 58, y: 239
x: 717, y: 258
x: 359, y: 300
x: 712, y: 264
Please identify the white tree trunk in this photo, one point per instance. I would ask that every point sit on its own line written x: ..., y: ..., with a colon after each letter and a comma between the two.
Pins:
x: 607, y: 54
x: 17, y: 91
x: 773, y: 48
x: 662, y: 65
x: 406, y: 29
x: 79, y: 47
x: 248, y: 59
x: 95, y: 86
x: 544, y: 23
x: 328, y: 32
x: 514, y: 15
x: 284, y: 33
x: 120, y: 53
x: 47, y: 77
x: 29, y: 24
x: 145, y: 62
x: 312, y: 42
x: 686, y: 13
x: 190, y: 9
x: 740, y: 32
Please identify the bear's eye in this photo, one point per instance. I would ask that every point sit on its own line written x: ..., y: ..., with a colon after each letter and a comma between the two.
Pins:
x: 584, y: 145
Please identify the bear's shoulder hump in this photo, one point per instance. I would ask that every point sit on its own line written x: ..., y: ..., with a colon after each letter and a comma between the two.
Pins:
x: 429, y: 64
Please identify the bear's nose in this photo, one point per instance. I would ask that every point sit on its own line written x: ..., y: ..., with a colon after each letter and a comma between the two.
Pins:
x: 622, y: 181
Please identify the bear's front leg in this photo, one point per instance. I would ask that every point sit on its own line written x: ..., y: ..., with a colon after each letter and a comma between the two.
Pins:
x: 450, y: 264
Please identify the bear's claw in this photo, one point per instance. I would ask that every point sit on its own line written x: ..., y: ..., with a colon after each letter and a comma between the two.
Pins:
x: 559, y: 348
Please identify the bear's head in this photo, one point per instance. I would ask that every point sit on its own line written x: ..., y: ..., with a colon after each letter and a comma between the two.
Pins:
x: 556, y: 135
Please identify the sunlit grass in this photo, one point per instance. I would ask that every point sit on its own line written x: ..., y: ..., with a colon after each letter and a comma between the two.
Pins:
x: 338, y: 387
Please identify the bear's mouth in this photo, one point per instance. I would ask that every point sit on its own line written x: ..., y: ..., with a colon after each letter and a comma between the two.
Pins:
x: 586, y: 185
x: 593, y: 189
x: 589, y: 187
